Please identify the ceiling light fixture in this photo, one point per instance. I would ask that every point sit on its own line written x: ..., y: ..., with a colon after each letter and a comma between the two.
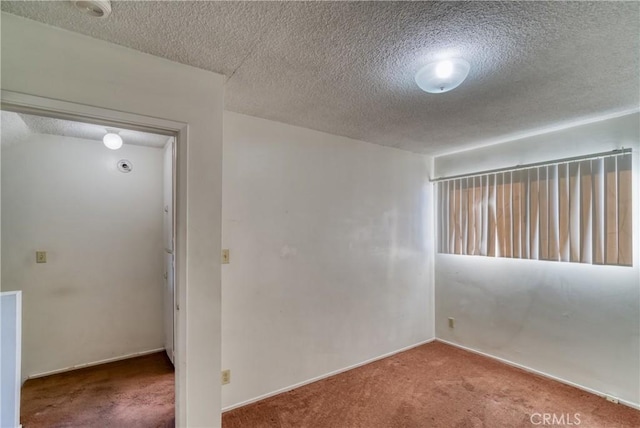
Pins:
x: 97, y: 8
x: 112, y: 141
x: 442, y: 76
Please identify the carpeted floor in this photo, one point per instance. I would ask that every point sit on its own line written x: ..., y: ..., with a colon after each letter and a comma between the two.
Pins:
x: 138, y: 392
x: 436, y: 386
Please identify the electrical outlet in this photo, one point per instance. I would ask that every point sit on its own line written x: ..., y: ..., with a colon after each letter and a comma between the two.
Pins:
x: 452, y: 322
x: 225, y: 257
x: 41, y: 256
x: 226, y: 376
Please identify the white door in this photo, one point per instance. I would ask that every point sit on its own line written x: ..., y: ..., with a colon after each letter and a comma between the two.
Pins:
x: 169, y: 289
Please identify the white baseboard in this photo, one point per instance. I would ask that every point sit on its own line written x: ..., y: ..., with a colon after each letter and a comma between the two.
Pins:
x: 95, y: 363
x: 543, y: 374
x: 324, y: 376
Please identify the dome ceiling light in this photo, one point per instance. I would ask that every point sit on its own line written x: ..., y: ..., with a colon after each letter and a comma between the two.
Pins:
x: 97, y: 8
x: 112, y: 140
x: 442, y: 76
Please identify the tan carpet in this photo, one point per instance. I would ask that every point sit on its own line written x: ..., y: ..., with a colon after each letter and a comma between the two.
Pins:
x: 138, y: 392
x: 434, y: 385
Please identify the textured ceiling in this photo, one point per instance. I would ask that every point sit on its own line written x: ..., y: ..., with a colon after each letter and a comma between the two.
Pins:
x: 13, y: 130
x: 16, y: 126
x: 347, y: 67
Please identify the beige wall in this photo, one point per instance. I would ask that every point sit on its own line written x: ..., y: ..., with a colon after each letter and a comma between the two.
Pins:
x: 331, y: 260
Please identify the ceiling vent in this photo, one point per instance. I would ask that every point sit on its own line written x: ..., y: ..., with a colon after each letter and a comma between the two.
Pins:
x: 96, y: 8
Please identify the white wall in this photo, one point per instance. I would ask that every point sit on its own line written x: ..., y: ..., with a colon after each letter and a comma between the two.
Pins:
x: 50, y: 62
x: 99, y: 295
x: 330, y: 260
x: 10, y: 350
x: 585, y: 139
x: 580, y: 323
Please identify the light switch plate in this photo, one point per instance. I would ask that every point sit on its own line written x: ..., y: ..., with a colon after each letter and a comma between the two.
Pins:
x: 226, y: 377
x: 41, y: 256
x: 225, y: 257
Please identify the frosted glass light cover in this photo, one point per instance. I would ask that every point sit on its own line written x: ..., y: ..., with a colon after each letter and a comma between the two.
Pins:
x: 432, y: 78
x: 112, y: 141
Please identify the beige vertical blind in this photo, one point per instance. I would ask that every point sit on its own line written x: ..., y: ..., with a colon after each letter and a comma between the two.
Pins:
x: 578, y: 211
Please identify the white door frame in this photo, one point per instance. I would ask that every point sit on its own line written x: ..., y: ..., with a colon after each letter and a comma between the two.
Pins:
x: 171, y: 251
x: 25, y: 103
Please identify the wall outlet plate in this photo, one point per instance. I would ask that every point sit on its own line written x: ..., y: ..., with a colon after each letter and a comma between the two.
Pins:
x: 452, y: 322
x: 41, y: 256
x: 226, y: 376
x: 225, y: 257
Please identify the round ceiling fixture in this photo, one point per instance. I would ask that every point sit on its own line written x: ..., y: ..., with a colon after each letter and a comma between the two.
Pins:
x: 97, y: 8
x: 442, y: 76
x: 112, y: 141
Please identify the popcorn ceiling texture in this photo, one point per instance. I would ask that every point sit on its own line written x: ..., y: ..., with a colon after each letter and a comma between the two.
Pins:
x: 347, y: 68
x: 20, y: 125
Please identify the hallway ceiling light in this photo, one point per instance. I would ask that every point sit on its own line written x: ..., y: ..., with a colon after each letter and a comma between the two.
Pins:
x: 112, y: 141
x: 442, y: 76
x: 97, y: 8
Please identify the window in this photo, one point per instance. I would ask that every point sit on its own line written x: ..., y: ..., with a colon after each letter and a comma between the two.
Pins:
x: 574, y: 211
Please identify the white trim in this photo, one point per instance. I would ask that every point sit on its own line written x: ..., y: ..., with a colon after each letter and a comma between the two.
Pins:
x: 96, y: 363
x: 25, y: 103
x: 324, y: 376
x: 543, y: 374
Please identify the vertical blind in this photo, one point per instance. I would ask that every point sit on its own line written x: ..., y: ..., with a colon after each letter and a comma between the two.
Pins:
x: 578, y: 211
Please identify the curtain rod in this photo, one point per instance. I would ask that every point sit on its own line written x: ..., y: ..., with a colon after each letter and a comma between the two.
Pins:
x: 536, y: 164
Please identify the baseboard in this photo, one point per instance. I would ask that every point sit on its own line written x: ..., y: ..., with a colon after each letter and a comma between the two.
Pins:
x: 95, y: 363
x: 541, y: 373
x: 324, y: 376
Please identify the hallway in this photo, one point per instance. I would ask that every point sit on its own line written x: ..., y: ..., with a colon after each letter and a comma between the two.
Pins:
x: 137, y: 392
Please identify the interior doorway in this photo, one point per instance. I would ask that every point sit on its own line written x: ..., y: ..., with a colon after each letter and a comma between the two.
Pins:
x: 88, y: 235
